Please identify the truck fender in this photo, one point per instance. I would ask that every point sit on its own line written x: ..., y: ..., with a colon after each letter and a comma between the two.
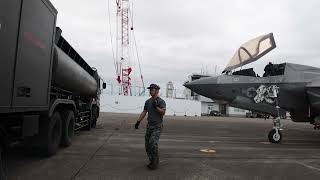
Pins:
x: 58, y: 102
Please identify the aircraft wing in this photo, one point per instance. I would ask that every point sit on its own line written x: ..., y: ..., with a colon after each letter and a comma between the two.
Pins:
x: 251, y: 51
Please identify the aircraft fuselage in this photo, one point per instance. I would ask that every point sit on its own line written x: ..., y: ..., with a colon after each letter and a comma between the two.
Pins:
x: 255, y: 93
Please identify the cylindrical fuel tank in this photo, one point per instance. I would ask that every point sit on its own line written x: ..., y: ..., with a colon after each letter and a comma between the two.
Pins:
x: 68, y: 75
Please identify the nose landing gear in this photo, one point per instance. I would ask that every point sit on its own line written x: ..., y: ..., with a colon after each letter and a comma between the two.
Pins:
x: 275, y: 135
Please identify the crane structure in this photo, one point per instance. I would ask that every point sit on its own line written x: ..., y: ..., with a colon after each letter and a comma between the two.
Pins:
x: 126, y: 48
x: 123, y: 54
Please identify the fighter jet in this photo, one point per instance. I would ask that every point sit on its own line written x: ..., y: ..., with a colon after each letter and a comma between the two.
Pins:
x: 284, y: 87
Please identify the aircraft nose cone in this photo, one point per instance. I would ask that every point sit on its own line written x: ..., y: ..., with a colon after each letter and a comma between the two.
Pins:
x: 191, y: 85
x: 202, y: 86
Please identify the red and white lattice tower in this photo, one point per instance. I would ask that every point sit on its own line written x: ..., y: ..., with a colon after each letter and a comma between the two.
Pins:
x: 123, y: 47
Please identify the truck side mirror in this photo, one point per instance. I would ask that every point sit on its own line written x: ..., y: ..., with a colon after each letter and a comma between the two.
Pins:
x: 104, y: 85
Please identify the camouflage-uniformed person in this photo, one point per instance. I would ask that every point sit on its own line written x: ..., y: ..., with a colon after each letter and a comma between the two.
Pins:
x: 156, y: 108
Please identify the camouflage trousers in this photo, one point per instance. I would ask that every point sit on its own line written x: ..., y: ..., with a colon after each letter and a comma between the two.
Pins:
x: 151, y: 143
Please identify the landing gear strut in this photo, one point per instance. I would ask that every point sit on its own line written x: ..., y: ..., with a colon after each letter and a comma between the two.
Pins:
x: 275, y: 135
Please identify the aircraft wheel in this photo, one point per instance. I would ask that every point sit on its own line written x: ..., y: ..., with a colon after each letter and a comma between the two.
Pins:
x: 274, y: 137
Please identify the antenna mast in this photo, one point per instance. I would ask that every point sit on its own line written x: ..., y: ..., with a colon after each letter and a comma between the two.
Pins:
x: 123, y: 47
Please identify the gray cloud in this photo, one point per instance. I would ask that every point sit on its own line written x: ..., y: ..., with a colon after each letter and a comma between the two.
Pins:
x: 178, y: 37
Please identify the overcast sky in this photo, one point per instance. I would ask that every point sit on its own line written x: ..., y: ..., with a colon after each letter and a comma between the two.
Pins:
x: 180, y: 37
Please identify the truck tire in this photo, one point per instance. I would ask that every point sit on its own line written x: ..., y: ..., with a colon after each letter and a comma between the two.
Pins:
x: 98, y: 112
x: 68, y: 126
x: 51, y: 132
x: 94, y: 116
x: 3, y: 174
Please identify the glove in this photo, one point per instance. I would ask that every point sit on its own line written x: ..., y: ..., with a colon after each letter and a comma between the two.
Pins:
x: 137, y: 125
x: 155, y: 103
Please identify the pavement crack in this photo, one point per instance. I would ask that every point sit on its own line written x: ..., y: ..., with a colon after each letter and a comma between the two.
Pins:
x: 99, y: 148
x: 308, y: 166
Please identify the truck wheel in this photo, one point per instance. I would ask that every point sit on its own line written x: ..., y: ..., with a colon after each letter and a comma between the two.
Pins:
x: 98, y: 112
x: 52, y: 131
x: 94, y: 116
x: 3, y: 174
x: 68, y: 129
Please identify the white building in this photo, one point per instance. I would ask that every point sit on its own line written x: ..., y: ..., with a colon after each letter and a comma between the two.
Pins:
x: 170, y: 90
x: 111, y: 101
x: 208, y: 105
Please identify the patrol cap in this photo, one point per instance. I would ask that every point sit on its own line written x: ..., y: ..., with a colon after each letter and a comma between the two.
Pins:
x: 153, y: 86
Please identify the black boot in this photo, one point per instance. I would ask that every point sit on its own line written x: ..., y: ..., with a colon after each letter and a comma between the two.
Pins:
x: 153, y: 164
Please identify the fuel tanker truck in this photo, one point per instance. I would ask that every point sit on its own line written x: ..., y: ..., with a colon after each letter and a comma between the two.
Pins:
x: 48, y: 91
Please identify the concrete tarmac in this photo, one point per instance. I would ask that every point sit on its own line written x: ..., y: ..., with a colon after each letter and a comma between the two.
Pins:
x: 222, y: 148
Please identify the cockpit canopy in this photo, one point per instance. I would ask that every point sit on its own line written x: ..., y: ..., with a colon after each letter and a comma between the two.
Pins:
x: 251, y: 51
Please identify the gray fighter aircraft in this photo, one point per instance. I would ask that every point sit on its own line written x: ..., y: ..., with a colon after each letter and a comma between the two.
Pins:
x: 283, y: 87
